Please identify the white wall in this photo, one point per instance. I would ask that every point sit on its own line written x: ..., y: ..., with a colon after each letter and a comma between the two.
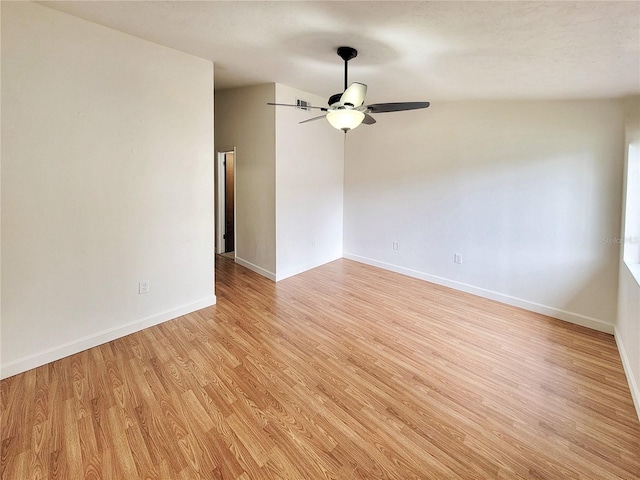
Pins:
x: 309, y: 186
x: 627, y: 330
x: 288, y: 180
x: 244, y: 120
x: 107, y: 167
x: 526, y: 191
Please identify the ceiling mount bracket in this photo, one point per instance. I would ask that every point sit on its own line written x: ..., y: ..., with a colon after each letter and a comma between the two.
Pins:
x: 347, y: 53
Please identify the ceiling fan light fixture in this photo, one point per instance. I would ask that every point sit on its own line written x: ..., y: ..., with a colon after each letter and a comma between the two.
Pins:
x: 345, y: 119
x: 347, y: 109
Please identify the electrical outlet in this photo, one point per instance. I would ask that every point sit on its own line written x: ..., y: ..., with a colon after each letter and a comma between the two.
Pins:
x: 457, y: 258
x: 313, y: 243
x: 143, y: 287
x: 396, y: 245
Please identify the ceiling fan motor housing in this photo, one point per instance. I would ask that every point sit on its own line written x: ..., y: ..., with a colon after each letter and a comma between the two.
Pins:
x: 333, y: 99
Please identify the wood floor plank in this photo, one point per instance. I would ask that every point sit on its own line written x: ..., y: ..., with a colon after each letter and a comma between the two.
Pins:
x: 342, y: 372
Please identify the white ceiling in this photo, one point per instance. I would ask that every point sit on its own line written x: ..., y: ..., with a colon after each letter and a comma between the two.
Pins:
x: 408, y: 51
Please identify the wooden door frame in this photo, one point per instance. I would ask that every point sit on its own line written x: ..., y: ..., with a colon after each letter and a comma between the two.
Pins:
x: 220, y: 173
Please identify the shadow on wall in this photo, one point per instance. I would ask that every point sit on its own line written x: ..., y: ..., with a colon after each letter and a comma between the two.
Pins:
x: 525, y: 191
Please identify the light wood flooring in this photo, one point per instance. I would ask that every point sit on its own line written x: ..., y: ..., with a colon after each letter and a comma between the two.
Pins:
x: 342, y: 372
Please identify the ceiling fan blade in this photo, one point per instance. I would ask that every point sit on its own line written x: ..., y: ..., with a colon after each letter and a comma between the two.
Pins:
x: 396, y: 107
x: 354, y: 95
x: 368, y: 119
x: 297, y: 106
x: 312, y: 119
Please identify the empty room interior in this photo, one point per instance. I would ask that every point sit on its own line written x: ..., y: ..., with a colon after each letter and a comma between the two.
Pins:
x: 320, y: 240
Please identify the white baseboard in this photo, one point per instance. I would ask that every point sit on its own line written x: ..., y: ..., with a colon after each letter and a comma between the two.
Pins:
x: 276, y: 277
x: 304, y: 268
x: 78, y: 345
x: 631, y: 380
x: 256, y: 268
x: 572, y: 317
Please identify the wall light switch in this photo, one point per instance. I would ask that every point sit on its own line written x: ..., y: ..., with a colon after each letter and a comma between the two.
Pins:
x: 457, y: 258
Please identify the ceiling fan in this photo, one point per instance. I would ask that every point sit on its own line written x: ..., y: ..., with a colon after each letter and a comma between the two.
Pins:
x: 347, y: 109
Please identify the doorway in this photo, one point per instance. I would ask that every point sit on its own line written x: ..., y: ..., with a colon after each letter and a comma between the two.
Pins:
x: 225, y: 201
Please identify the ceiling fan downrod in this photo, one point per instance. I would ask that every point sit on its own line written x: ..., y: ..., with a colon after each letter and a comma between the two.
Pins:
x: 346, y: 54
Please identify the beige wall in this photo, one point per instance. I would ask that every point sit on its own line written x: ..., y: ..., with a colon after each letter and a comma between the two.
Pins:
x: 107, y: 167
x: 288, y: 180
x: 526, y: 191
x: 245, y: 121
x: 309, y: 178
x: 628, y: 324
